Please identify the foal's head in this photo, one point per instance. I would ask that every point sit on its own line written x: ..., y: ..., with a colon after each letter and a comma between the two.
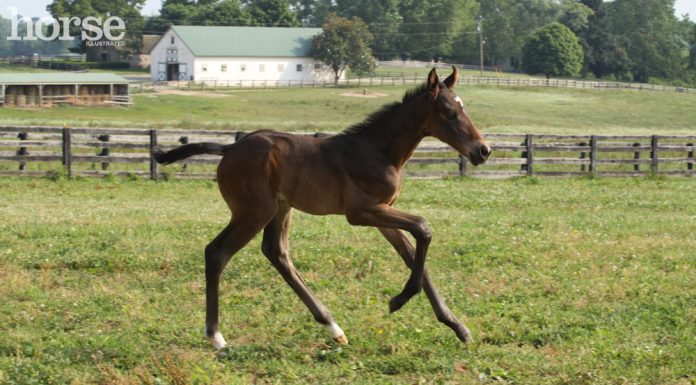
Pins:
x: 450, y: 123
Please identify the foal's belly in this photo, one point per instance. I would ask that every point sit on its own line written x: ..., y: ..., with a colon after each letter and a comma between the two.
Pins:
x: 313, y: 190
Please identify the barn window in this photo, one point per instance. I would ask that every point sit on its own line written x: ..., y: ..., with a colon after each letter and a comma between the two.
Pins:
x: 171, y: 55
x: 298, y: 68
x: 281, y: 67
x: 242, y: 67
x: 223, y: 68
x: 262, y: 68
x: 204, y: 68
x: 317, y: 66
x: 172, y: 39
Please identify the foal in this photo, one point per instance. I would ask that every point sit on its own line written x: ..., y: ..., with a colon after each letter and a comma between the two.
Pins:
x: 263, y: 176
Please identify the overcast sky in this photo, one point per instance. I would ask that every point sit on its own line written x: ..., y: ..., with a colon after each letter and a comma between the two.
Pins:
x: 38, y: 7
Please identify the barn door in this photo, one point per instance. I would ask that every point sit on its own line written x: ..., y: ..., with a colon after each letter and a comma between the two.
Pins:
x: 162, y: 72
x: 182, y: 72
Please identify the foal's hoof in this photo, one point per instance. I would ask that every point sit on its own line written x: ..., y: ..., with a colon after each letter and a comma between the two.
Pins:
x: 341, y: 340
x: 218, y: 340
x: 397, y: 302
x: 465, y: 336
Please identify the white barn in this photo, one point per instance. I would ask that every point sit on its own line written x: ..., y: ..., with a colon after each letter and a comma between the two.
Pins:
x: 234, y: 54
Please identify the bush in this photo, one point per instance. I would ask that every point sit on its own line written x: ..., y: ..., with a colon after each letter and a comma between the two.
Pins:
x: 553, y: 50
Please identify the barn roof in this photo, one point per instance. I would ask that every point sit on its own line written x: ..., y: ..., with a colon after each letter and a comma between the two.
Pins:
x: 247, y: 41
x: 61, y: 78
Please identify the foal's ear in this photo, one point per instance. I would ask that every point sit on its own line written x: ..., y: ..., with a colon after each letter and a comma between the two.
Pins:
x: 433, y: 83
x: 451, y: 80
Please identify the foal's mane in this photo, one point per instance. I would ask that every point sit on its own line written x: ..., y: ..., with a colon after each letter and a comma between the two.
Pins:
x: 377, y: 118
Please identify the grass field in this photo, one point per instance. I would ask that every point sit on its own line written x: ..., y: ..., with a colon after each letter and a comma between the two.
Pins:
x: 574, y: 281
x: 527, y: 110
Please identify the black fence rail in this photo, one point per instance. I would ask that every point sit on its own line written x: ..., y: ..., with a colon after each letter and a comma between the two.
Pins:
x: 92, y: 152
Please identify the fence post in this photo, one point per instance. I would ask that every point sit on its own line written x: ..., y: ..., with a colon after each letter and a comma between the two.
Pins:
x: 153, y: 162
x: 104, y: 151
x: 67, y: 151
x: 593, y: 155
x: 530, y: 154
x: 636, y: 156
x: 463, y: 169
x: 653, y: 154
x: 690, y: 155
x: 583, y: 155
x: 22, y: 151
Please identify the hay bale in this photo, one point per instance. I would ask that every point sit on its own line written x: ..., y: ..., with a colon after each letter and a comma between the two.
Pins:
x: 32, y: 93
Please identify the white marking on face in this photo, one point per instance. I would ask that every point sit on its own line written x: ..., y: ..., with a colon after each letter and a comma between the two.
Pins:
x: 334, y: 330
x: 459, y: 100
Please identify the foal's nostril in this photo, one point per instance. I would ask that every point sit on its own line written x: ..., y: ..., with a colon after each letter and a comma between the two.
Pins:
x: 485, y: 151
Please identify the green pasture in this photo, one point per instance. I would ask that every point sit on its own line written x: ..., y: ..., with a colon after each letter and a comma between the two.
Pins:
x: 520, y: 110
x: 562, y: 281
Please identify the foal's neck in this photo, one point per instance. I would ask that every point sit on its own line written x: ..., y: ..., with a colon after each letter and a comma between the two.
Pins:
x: 405, y: 132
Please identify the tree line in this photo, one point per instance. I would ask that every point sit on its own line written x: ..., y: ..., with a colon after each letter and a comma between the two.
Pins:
x: 640, y: 40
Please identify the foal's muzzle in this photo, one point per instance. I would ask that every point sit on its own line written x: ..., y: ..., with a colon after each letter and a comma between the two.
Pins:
x: 479, y: 154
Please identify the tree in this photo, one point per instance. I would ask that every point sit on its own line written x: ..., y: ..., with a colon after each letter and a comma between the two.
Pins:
x: 344, y: 43
x: 553, y: 50
x: 574, y: 15
x: 271, y: 13
x: 382, y: 18
x: 649, y: 32
x: 605, y: 50
x: 692, y: 49
x: 128, y: 10
x: 431, y: 28
x: 314, y: 12
x: 225, y: 12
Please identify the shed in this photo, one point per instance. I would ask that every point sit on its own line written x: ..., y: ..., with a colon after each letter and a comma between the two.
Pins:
x: 209, y: 53
x: 48, y: 89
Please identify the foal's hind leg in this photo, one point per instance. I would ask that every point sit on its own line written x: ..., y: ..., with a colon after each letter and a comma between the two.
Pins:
x: 275, y: 248
x: 235, y: 236
x: 406, y: 250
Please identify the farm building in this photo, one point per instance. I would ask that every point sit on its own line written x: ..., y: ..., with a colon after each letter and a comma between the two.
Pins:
x: 48, y: 89
x: 230, y: 54
x: 137, y: 57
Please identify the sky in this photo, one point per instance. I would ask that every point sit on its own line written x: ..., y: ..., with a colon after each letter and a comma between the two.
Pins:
x: 38, y: 7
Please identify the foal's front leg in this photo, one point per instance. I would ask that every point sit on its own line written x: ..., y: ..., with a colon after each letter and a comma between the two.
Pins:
x: 406, y: 250
x: 385, y: 216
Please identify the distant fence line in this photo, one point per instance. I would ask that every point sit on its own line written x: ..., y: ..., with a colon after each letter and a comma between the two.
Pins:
x: 403, y: 81
x: 49, y: 63
x: 441, y: 65
x: 41, y: 151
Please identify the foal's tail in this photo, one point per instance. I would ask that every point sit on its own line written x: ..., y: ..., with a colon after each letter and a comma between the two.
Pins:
x: 188, y: 150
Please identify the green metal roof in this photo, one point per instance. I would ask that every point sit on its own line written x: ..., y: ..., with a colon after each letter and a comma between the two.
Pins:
x: 247, y: 41
x: 60, y: 78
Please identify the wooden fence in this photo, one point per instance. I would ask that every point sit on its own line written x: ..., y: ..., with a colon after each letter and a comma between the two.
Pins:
x: 41, y: 151
x: 403, y: 80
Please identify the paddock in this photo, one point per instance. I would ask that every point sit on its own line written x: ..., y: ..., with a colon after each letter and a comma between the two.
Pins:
x: 21, y: 90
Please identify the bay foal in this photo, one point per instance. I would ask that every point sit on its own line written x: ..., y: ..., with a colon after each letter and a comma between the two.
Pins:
x: 357, y: 173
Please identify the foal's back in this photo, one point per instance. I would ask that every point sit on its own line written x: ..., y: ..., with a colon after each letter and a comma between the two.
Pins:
x: 268, y: 167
